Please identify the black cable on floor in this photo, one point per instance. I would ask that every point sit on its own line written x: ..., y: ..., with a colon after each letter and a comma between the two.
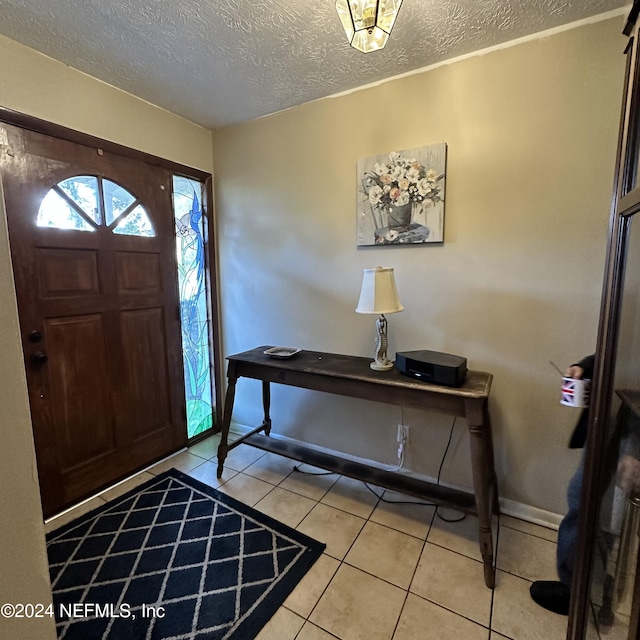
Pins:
x: 312, y: 473
x: 428, y: 504
x: 419, y: 504
x: 444, y: 455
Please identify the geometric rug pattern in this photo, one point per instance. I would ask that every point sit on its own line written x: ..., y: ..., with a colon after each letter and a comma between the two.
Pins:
x: 173, y: 559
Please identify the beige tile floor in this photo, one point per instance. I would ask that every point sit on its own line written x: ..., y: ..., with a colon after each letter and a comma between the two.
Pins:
x: 391, y: 570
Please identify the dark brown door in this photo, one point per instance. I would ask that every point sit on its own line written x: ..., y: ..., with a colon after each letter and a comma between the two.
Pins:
x: 98, y: 310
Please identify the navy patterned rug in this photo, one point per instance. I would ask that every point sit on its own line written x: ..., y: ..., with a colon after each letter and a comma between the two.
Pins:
x: 173, y: 559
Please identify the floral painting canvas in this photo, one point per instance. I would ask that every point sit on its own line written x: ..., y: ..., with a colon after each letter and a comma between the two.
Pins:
x: 401, y: 196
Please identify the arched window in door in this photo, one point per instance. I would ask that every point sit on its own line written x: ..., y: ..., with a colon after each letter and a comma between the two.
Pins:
x: 84, y: 203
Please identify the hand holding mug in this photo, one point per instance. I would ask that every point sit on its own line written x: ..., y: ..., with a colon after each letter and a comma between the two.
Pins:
x: 574, y: 371
x: 575, y: 389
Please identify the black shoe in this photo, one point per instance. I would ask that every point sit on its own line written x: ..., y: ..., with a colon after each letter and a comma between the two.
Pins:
x: 552, y: 595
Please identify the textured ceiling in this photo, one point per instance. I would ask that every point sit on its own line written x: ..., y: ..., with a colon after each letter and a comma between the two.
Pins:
x: 219, y: 62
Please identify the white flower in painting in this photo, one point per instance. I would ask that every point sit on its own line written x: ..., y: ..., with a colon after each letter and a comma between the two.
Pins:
x: 375, y: 193
x: 391, y: 235
x: 424, y: 187
x: 381, y: 168
x: 398, y: 172
x: 401, y: 181
x: 413, y: 174
x: 403, y: 198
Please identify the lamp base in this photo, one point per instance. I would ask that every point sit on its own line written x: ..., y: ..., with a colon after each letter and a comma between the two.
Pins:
x: 381, y: 366
x: 381, y: 363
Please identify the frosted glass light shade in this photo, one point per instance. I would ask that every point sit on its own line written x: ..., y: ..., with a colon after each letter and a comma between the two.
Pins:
x: 368, y: 23
x: 379, y: 293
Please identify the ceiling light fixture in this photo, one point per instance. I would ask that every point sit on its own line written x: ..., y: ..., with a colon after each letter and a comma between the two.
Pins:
x: 368, y: 23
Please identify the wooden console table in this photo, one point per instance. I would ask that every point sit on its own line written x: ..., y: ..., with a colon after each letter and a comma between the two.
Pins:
x: 351, y: 376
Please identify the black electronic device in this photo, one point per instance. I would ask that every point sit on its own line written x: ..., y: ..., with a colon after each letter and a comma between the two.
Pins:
x: 433, y: 367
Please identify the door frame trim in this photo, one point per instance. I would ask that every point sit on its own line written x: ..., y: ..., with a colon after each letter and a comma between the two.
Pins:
x: 31, y: 123
x: 38, y: 125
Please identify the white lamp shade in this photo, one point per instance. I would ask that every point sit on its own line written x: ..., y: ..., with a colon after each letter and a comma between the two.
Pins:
x: 379, y: 293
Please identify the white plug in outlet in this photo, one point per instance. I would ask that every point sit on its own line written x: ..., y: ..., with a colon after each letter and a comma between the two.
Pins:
x: 403, y: 433
x: 403, y: 436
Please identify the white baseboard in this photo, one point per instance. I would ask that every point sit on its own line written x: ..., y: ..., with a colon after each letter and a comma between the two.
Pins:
x: 530, y: 514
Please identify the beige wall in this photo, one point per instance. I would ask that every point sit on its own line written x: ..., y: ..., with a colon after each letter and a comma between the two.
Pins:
x: 42, y: 87
x: 36, y: 85
x: 531, y: 133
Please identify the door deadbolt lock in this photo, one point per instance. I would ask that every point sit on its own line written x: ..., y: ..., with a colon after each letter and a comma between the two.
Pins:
x: 35, y: 336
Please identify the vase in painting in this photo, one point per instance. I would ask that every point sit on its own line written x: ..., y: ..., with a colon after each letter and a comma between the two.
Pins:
x: 399, y: 217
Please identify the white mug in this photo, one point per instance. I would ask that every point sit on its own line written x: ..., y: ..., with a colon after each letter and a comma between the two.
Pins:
x: 575, y: 392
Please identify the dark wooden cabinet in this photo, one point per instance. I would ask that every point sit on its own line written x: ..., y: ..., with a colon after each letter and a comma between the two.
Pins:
x: 605, y: 591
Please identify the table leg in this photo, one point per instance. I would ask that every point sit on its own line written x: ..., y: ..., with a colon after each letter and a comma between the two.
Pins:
x: 483, y: 478
x: 266, y: 405
x: 493, y: 479
x: 223, y: 447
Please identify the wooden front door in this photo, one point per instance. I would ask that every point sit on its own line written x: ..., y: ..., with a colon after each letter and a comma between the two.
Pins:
x: 92, y: 246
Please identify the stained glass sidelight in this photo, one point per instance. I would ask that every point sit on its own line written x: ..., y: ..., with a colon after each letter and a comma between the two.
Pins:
x: 187, y: 199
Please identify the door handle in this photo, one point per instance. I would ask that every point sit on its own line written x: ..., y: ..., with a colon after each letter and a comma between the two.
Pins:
x: 38, y: 357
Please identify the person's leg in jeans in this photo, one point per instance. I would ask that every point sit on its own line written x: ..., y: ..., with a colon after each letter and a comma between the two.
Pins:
x: 551, y: 594
x: 568, y: 530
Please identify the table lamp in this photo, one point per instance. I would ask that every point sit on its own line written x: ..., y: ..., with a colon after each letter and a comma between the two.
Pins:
x: 379, y: 295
